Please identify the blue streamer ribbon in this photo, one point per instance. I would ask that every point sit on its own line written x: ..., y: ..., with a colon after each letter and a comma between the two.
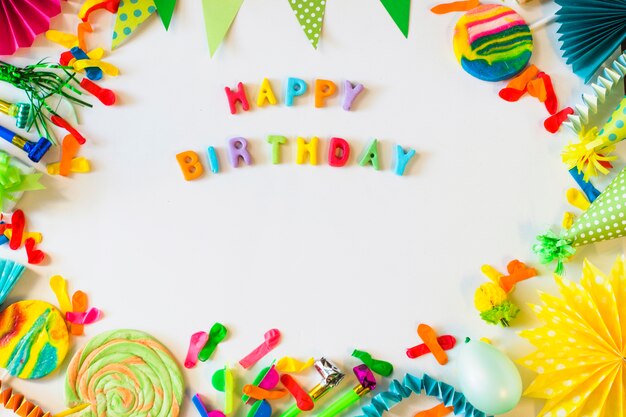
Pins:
x: 398, y: 391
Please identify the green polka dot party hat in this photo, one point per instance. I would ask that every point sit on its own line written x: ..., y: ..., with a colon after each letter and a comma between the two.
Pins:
x: 605, y: 219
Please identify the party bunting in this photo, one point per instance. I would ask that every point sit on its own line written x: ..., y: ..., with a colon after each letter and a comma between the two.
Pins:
x: 310, y: 14
x: 399, y: 10
x: 591, y: 30
x: 218, y: 16
x: 15, y: 178
x: 130, y: 15
x: 166, y: 11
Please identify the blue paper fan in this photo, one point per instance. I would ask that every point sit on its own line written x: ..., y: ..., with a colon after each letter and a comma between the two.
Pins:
x: 591, y: 30
x: 10, y: 273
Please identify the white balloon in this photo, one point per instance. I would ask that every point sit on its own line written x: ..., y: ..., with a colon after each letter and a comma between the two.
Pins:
x: 489, y: 380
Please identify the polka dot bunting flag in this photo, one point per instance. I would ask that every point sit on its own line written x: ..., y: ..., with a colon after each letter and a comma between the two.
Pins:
x: 310, y: 14
x: 130, y: 15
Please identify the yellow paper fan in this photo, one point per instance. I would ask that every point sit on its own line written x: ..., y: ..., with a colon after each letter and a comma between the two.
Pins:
x: 581, y: 349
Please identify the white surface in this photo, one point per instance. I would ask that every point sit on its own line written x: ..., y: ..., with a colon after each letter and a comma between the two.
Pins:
x: 336, y: 259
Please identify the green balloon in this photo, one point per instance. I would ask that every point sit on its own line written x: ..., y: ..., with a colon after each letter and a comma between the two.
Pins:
x: 489, y: 380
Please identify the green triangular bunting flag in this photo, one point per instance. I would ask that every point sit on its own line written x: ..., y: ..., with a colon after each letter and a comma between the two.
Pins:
x: 130, y: 15
x: 218, y: 16
x: 166, y: 10
x: 399, y: 10
x: 310, y: 15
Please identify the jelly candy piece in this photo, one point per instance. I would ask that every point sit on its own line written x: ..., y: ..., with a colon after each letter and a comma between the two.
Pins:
x: 303, y: 401
x: 272, y: 338
x: 196, y: 343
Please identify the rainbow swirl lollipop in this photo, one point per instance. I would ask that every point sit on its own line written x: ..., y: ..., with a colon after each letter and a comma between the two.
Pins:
x: 492, y: 42
x: 125, y: 373
x: 33, y: 339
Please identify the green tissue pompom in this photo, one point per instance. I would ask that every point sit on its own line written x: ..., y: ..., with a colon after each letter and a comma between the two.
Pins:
x: 501, y: 314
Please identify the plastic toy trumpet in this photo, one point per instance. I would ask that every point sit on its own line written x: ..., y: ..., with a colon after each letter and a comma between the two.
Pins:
x: 21, y: 112
x: 35, y: 150
x: 367, y: 382
x: 331, y: 377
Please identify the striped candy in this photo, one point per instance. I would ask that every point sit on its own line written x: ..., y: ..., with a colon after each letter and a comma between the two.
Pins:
x: 492, y: 42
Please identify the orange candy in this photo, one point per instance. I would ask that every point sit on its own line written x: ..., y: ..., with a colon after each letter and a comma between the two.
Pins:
x: 79, y: 305
x: 69, y: 149
x: 263, y: 394
x: 456, y: 6
x: 438, y: 411
x: 518, y: 271
x: 428, y: 335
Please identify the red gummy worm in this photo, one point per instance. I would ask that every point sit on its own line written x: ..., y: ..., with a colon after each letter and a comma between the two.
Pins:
x: 106, y: 96
x: 65, y: 59
x: 110, y: 5
x: 511, y: 94
x: 303, y: 400
x: 18, y: 223
x: 446, y: 342
x: 554, y: 122
x: 35, y: 256
x: 61, y: 122
x: 552, y: 104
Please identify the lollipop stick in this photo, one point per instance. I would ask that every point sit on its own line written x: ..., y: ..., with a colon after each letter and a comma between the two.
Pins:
x: 72, y: 410
x: 544, y: 21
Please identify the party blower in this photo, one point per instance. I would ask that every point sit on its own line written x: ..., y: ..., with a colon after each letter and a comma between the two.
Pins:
x: 21, y: 112
x: 35, y: 150
x: 367, y: 383
x: 331, y: 377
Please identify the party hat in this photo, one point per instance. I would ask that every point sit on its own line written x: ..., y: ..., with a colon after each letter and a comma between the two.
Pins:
x: 615, y: 128
x: 9, y: 275
x: 605, y: 219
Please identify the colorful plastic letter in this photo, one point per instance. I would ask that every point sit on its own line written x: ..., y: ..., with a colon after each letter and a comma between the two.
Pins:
x: 190, y: 165
x: 352, y: 91
x: 402, y: 159
x: 265, y: 94
x: 295, y: 87
x: 371, y: 155
x: 237, y: 96
x: 323, y: 90
x: 338, y: 152
x: 214, y: 163
x: 238, y: 148
x: 304, y: 148
x: 276, y: 141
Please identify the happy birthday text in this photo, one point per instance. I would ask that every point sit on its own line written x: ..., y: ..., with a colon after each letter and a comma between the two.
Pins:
x: 295, y: 87
x: 338, y: 155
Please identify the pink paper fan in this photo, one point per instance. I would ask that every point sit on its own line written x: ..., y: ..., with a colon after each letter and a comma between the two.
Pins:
x: 22, y: 20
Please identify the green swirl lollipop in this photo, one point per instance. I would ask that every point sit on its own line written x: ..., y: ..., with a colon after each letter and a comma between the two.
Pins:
x: 125, y: 373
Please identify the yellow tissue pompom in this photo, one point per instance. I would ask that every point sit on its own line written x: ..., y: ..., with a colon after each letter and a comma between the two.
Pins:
x: 488, y: 296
